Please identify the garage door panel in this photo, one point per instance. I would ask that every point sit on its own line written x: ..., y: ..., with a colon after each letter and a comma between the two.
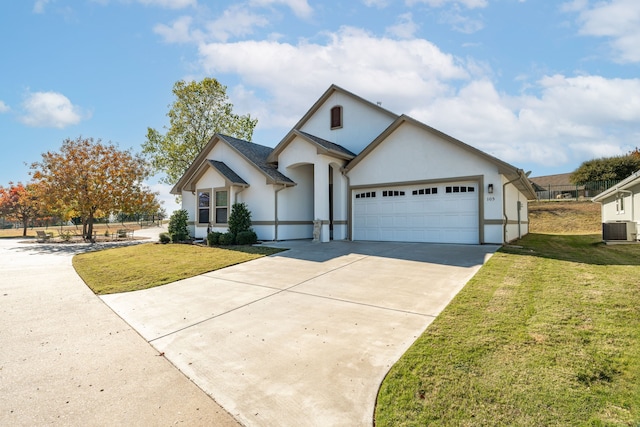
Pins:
x: 422, y: 217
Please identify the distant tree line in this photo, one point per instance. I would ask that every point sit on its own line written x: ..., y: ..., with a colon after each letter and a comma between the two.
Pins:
x: 615, y: 168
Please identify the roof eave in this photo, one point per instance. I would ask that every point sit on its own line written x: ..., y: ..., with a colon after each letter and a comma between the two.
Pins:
x: 630, y: 181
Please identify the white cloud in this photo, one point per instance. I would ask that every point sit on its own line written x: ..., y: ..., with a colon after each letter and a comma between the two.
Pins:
x: 39, y: 5
x: 460, y: 22
x: 409, y: 69
x: 178, y: 32
x: 617, y: 20
x: 470, y: 4
x: 557, y: 121
x: 235, y: 21
x: 4, y: 107
x: 572, y: 120
x: 405, y: 28
x: 300, y: 8
x: 170, y: 4
x: 50, y: 109
x: 380, y: 4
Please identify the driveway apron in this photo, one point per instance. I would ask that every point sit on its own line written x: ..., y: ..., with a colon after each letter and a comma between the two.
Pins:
x: 306, y: 336
x: 67, y: 359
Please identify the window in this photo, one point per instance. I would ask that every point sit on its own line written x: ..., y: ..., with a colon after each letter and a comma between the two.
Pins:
x: 620, y: 204
x: 392, y: 193
x: 366, y: 195
x: 459, y: 189
x: 222, y: 206
x: 336, y: 117
x: 204, y: 207
x: 422, y: 191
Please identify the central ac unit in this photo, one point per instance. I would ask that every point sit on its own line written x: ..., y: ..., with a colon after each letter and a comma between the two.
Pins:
x: 619, y: 230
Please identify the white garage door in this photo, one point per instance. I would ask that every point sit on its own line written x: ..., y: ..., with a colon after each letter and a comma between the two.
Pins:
x: 437, y: 213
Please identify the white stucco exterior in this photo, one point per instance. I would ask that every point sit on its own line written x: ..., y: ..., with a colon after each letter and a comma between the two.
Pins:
x: 621, y: 203
x: 318, y: 172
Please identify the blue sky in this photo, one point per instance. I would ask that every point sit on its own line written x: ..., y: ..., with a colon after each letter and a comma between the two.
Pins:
x: 543, y: 85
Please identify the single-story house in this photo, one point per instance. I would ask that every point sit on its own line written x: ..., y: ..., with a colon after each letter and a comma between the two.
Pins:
x: 621, y: 209
x: 558, y: 186
x: 354, y: 170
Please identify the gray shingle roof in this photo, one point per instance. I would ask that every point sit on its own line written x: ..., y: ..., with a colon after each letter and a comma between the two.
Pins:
x: 257, y: 154
x: 228, y: 173
x: 328, y: 144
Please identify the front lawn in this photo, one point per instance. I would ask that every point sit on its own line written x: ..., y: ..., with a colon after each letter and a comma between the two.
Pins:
x: 545, y: 334
x: 147, y: 265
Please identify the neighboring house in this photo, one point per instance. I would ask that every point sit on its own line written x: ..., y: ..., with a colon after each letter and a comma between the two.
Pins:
x: 359, y: 172
x: 558, y: 186
x: 621, y: 209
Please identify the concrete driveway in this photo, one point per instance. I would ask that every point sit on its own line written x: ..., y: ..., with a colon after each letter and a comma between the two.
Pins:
x: 67, y: 359
x: 304, y: 337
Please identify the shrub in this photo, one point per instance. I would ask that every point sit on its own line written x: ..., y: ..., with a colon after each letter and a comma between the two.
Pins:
x: 165, y: 238
x: 213, y: 238
x: 226, y: 239
x: 246, y: 238
x: 239, y: 219
x: 178, y: 226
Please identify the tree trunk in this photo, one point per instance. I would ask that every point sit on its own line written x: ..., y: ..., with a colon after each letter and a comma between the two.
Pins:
x: 89, y: 235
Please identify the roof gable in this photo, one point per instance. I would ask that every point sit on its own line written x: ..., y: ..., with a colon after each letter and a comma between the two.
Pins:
x: 229, y: 175
x: 327, y: 94
x: 324, y: 147
x: 332, y: 147
x: 255, y: 154
x: 511, y: 172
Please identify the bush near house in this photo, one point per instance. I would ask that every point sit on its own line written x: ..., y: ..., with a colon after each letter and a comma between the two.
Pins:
x: 239, y: 219
x: 213, y: 238
x: 246, y: 237
x: 178, y: 226
x: 226, y: 239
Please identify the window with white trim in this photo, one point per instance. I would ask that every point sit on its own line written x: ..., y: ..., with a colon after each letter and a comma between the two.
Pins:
x: 204, y: 206
x: 222, y: 206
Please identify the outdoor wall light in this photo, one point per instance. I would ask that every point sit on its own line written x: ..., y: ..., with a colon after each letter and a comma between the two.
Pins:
x: 490, y: 188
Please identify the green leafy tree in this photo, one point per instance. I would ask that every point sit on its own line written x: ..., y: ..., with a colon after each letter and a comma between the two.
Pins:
x: 89, y: 179
x: 606, y: 169
x: 200, y: 110
x: 239, y: 219
x: 177, y: 228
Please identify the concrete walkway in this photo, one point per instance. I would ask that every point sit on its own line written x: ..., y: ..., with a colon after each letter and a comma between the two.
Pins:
x: 304, y: 337
x: 67, y: 359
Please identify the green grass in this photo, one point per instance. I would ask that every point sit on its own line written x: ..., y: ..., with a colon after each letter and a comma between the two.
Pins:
x: 144, y: 266
x: 545, y: 334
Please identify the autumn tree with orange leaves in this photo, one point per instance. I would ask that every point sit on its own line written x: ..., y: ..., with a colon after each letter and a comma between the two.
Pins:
x: 20, y: 202
x: 89, y: 179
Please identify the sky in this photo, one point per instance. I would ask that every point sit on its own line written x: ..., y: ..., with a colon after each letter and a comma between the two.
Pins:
x: 541, y: 84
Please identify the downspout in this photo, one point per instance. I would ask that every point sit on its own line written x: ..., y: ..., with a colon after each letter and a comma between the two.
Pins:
x: 633, y: 216
x: 235, y: 195
x: 504, y: 206
x: 275, y: 214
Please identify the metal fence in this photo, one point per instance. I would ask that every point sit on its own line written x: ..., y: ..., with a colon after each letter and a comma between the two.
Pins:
x: 573, y: 192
